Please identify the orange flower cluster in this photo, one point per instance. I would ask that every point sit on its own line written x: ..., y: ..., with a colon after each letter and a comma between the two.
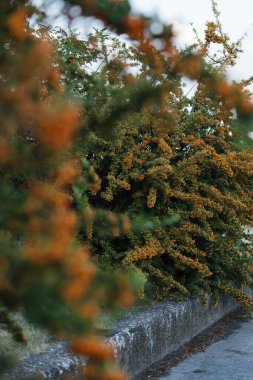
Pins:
x: 151, y: 249
x: 167, y: 279
x: 6, y: 152
x: 80, y: 272
x: 57, y: 128
x: 195, y: 264
x: 189, y: 197
x: 165, y: 148
x: 211, y: 35
x: 92, y: 346
x: 161, y: 171
x: 241, y: 297
x: 137, y: 176
x: 95, y: 181
x: 190, y: 66
x: 135, y: 26
x: 115, y: 183
x: 91, y: 372
x: 49, y: 194
x: 68, y: 172
x: 222, y: 163
x: 151, y: 201
x: 201, y: 214
x: 128, y: 160
x: 99, y: 351
x: 16, y: 23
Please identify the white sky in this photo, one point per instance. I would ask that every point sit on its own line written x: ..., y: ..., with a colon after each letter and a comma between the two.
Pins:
x: 236, y: 17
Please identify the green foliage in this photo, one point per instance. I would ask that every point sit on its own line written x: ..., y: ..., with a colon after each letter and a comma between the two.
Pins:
x: 172, y: 167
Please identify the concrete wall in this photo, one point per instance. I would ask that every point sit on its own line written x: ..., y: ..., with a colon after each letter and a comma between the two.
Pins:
x: 149, y: 335
x: 139, y: 340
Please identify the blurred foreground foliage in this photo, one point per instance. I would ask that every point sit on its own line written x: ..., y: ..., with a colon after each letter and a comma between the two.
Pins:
x: 101, y: 152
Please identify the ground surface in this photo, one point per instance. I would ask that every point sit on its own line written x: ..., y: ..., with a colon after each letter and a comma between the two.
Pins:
x: 228, y: 359
x: 223, y: 352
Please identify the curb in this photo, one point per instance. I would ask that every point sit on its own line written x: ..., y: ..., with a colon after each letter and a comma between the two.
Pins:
x: 139, y: 340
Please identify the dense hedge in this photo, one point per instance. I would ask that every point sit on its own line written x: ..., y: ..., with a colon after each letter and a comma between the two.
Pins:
x: 173, y: 167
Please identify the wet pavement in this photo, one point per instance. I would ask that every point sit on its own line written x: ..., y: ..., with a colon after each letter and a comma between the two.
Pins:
x: 228, y: 359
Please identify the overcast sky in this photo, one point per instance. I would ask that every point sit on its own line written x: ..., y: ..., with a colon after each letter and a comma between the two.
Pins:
x: 236, y: 17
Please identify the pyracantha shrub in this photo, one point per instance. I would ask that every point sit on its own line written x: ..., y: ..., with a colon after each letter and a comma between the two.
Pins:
x: 173, y: 167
